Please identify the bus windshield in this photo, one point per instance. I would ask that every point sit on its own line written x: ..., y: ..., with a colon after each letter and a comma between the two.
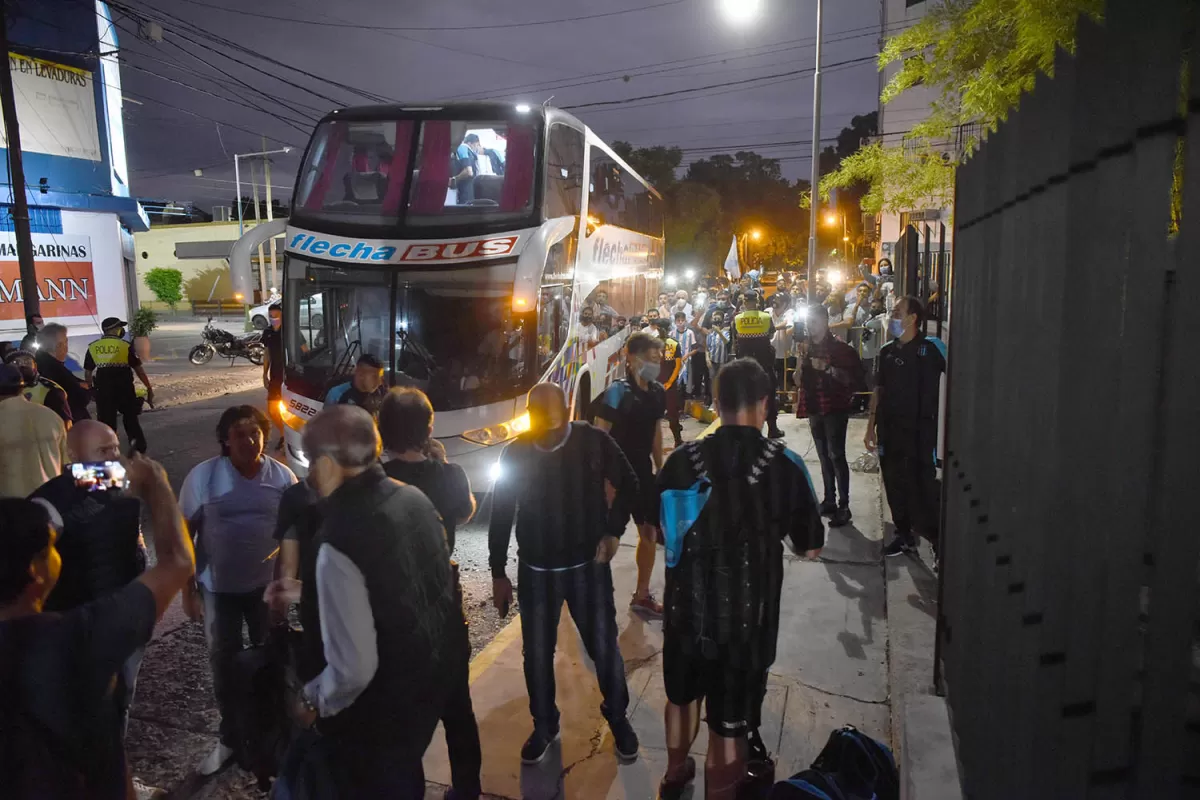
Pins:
x: 459, y: 343
x: 465, y: 172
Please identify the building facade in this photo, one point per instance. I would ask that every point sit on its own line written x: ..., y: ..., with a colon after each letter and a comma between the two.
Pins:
x: 67, y: 90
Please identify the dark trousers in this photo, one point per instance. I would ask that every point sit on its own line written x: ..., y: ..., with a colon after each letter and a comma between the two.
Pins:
x: 107, y: 410
x: 458, y: 719
x: 701, y: 380
x: 829, y: 435
x: 912, y: 492
x: 364, y: 769
x: 588, y: 592
x: 674, y: 398
x: 224, y: 615
x: 773, y: 396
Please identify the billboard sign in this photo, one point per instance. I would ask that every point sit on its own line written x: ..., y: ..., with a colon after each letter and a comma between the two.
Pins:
x: 65, y: 281
x: 56, y: 106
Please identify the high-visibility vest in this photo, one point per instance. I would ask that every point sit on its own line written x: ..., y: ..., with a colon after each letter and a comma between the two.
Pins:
x: 109, y: 351
x: 752, y: 323
x: 36, y: 394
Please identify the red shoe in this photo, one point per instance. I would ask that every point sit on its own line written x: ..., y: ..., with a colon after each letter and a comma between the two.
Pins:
x: 646, y: 606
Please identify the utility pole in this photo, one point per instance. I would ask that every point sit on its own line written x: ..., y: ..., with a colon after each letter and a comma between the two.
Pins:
x: 270, y: 210
x: 262, y: 271
x: 816, y: 166
x: 16, y: 177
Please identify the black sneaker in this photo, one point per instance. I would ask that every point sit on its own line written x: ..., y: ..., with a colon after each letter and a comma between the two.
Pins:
x: 840, y: 517
x: 827, y: 508
x: 900, y: 546
x: 536, y: 747
x: 625, y: 741
x: 675, y: 788
x: 774, y: 433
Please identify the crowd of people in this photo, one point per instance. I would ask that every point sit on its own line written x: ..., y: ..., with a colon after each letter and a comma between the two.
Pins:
x: 364, y: 547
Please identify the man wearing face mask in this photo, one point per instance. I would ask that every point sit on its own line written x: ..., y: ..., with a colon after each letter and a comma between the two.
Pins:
x: 668, y: 376
x: 38, y: 390
x: 830, y: 373
x: 723, y: 305
x: 682, y: 305
x: 386, y: 601
x: 570, y: 489
x: 110, y: 365
x: 903, y: 423
x: 631, y: 410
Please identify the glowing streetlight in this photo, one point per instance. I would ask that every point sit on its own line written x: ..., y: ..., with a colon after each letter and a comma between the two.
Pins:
x: 831, y: 219
x: 845, y: 238
x: 740, y: 12
x: 756, y: 234
x: 690, y: 274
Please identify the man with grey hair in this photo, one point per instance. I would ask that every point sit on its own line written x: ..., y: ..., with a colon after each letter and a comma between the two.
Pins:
x: 386, y: 601
x: 51, y: 356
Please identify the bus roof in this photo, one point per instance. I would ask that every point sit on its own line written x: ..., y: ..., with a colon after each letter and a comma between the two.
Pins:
x: 485, y: 109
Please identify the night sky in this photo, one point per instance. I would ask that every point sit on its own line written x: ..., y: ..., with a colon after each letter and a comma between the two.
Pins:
x: 480, y: 49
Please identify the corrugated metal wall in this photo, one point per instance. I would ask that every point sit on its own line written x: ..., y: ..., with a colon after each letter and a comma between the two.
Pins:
x: 1068, y: 629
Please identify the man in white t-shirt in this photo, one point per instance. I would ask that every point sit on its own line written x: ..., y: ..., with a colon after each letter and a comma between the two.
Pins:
x: 231, y: 503
x: 782, y: 318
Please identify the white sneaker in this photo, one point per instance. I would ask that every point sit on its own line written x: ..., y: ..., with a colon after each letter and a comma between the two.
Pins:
x: 213, y: 762
x: 144, y: 792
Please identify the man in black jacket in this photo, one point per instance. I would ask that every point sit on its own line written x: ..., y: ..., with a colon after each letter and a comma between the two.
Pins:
x: 51, y: 355
x: 386, y: 603
x: 723, y: 590
x: 570, y: 489
x: 406, y: 427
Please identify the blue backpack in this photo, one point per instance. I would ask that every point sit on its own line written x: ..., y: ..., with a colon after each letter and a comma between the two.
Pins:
x: 680, y: 508
x: 852, y: 766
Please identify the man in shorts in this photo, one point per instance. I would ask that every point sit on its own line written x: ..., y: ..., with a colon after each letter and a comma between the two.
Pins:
x: 724, y: 578
x: 631, y: 411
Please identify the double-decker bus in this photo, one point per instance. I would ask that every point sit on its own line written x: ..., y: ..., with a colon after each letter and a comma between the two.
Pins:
x: 459, y: 244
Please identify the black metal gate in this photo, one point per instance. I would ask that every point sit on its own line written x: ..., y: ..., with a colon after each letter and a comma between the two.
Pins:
x: 1068, y: 627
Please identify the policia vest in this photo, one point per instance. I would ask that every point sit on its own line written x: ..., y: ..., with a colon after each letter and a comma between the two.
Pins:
x: 36, y: 394
x: 752, y: 337
x: 114, y: 374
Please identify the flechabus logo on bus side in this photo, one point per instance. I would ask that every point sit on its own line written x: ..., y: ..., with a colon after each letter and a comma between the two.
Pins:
x: 401, y: 252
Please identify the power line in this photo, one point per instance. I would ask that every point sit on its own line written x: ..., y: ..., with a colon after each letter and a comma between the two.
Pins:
x: 790, y: 74
x: 455, y: 28
x: 712, y: 58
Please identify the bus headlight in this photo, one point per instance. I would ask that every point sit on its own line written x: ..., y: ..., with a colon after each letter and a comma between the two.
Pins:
x: 498, y: 434
x: 496, y: 471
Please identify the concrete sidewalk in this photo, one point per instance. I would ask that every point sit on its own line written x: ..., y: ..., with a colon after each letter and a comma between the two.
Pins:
x: 831, y: 669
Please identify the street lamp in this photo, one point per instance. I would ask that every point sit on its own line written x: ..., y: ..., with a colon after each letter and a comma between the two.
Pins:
x: 237, y: 178
x: 741, y: 12
x: 756, y: 234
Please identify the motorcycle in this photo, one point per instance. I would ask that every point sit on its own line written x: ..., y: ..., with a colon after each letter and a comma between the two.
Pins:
x: 219, y: 342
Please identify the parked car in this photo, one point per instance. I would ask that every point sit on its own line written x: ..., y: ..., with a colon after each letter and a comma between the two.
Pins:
x: 258, y: 314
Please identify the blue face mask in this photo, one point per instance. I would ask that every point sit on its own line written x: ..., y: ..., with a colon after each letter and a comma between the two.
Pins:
x: 896, y: 327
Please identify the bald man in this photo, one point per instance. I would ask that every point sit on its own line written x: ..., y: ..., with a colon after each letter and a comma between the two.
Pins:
x: 101, y: 541
x: 570, y: 490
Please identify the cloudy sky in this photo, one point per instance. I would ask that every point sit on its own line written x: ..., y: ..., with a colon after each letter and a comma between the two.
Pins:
x: 192, y: 105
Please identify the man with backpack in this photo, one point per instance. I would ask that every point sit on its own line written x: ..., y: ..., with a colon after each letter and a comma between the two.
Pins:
x: 728, y: 502
x: 60, y: 721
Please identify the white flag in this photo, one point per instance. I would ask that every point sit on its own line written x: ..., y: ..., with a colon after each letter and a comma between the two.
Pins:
x: 732, y: 268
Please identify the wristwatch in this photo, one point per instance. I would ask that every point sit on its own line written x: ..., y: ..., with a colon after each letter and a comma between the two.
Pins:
x: 308, y: 704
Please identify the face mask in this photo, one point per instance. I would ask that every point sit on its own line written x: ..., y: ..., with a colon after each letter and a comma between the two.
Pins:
x: 276, y: 323
x: 722, y: 304
x: 896, y: 327
x: 647, y: 371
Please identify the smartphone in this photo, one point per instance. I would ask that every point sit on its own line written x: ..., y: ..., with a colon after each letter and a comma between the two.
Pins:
x: 99, y: 476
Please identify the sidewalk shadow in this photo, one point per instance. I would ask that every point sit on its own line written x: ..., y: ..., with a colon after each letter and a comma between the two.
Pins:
x: 844, y: 578
x: 543, y: 781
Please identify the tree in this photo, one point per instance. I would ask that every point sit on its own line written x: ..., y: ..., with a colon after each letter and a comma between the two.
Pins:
x: 167, y: 285
x: 656, y: 164
x: 980, y: 55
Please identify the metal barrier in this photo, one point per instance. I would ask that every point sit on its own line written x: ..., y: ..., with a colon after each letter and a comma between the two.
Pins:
x: 1068, y: 624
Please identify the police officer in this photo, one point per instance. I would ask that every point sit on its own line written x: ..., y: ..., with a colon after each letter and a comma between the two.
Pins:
x: 903, y: 423
x: 38, y: 390
x: 668, y: 376
x: 109, y: 368
x: 751, y: 336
